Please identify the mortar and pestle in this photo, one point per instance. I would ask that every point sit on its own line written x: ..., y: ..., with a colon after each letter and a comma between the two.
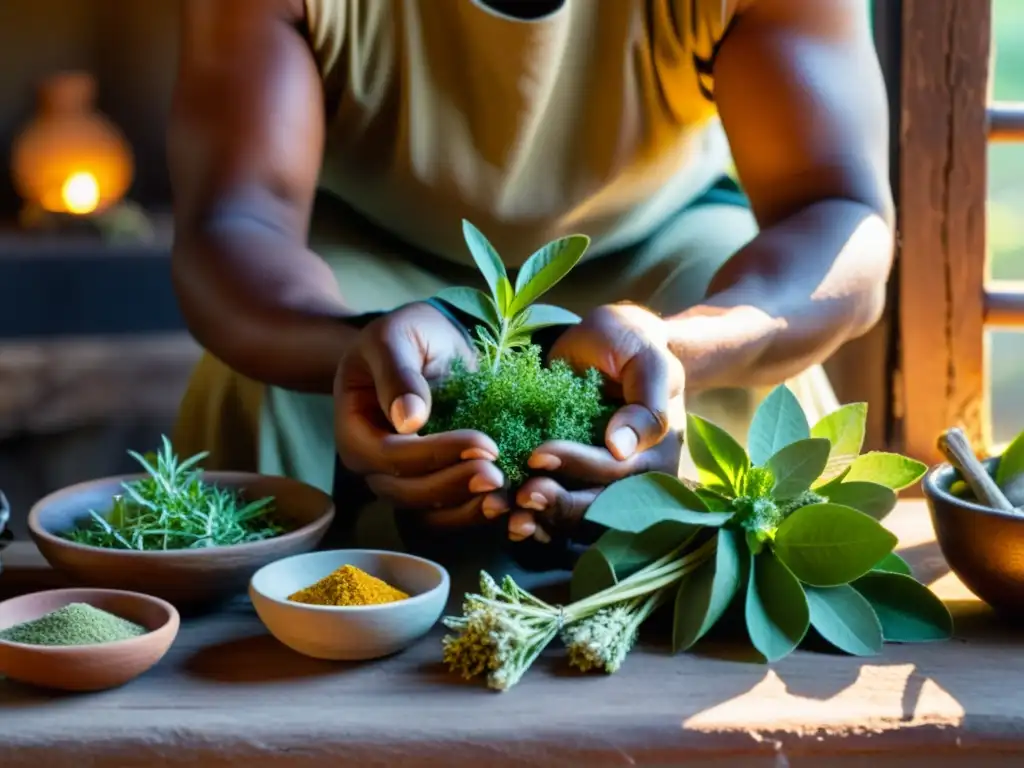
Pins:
x: 979, y: 528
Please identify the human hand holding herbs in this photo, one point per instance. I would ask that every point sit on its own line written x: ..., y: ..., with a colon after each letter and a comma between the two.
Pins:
x: 549, y: 419
x: 786, y: 537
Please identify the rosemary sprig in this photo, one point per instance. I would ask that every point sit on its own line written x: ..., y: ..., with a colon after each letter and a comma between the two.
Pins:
x: 174, y: 509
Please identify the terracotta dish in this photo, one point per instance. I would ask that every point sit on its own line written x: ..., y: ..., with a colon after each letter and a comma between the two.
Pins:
x: 87, y: 667
x: 189, y: 578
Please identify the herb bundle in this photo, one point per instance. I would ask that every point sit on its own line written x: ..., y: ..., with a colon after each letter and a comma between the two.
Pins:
x: 510, y: 394
x: 173, y: 508
x: 788, y: 536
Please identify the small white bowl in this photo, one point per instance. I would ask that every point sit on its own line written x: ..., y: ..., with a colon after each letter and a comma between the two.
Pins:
x: 351, y: 633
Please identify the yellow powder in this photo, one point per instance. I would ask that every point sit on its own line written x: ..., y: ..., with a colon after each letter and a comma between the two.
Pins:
x: 348, y: 586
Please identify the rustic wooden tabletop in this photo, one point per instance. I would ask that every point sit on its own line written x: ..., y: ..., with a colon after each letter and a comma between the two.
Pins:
x: 228, y: 693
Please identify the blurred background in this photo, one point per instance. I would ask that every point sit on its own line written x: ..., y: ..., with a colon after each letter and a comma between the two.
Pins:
x: 93, y: 353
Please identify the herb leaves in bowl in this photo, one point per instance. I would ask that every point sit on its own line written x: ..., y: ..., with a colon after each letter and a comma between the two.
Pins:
x: 174, y: 508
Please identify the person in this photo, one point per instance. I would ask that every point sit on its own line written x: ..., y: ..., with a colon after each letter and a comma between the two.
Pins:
x: 324, y: 152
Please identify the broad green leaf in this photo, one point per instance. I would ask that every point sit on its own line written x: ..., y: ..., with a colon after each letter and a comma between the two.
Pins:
x: 776, y: 611
x: 845, y: 618
x: 1011, y: 463
x: 472, y: 302
x: 720, y: 460
x: 627, y: 553
x: 870, y: 498
x: 592, y: 573
x: 797, y: 465
x: 487, y: 259
x: 505, y: 297
x: 893, y: 563
x: 640, y: 501
x: 545, y: 268
x: 888, y: 469
x: 778, y: 422
x: 704, y: 594
x: 544, y: 316
x: 826, y: 545
x: 844, y: 429
x: 908, y: 610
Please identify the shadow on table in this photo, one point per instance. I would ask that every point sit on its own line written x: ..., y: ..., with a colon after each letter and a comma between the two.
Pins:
x: 257, y: 659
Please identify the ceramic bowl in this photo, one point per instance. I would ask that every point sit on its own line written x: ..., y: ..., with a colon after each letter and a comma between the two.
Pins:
x: 87, y: 667
x: 350, y: 633
x: 984, y: 547
x: 188, y: 578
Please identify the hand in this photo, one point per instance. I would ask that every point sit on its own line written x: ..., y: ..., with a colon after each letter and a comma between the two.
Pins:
x: 629, y: 345
x: 382, y: 398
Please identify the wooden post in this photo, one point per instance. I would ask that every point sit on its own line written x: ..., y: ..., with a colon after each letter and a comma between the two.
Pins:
x: 941, y: 200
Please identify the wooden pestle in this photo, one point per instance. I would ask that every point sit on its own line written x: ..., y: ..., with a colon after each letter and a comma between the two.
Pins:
x: 957, y: 449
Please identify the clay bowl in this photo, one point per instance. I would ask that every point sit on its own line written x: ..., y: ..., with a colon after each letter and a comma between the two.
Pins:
x: 984, y: 547
x: 87, y: 667
x: 352, y: 633
x: 191, y: 579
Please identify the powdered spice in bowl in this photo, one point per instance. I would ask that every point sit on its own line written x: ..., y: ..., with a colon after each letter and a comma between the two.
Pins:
x: 83, y: 639
x: 350, y: 604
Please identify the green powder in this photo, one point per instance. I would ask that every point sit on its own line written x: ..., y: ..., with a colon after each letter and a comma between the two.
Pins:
x: 74, y: 624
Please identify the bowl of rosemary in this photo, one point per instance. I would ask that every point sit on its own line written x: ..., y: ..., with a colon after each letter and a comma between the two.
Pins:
x: 191, y: 537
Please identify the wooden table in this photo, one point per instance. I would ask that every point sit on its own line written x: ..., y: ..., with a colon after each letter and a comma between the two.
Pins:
x: 228, y: 693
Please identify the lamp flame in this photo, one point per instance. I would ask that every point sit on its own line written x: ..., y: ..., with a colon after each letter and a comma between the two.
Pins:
x: 80, y: 193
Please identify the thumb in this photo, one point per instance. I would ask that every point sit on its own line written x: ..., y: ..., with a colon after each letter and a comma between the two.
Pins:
x: 396, y: 364
x: 643, y: 421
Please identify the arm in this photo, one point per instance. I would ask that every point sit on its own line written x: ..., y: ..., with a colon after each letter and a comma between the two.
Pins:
x: 803, y: 103
x: 245, y: 146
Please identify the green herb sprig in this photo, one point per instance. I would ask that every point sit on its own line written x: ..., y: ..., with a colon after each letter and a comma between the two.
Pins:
x: 510, y: 394
x: 173, y: 508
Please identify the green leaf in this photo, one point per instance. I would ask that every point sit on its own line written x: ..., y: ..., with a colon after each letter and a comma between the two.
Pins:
x: 1011, y: 463
x: 472, y: 302
x: 893, y: 563
x: 778, y: 422
x: 487, y: 259
x: 826, y: 545
x: 544, y: 316
x: 593, y: 572
x: 797, y: 465
x: 545, y: 268
x: 720, y: 460
x: 844, y: 429
x: 704, y: 594
x: 842, y: 616
x: 640, y: 501
x: 908, y: 610
x: 776, y: 611
x: 888, y: 469
x: 870, y: 498
x: 505, y: 297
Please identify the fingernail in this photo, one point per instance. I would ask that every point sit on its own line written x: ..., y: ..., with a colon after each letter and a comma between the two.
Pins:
x: 537, y: 503
x: 624, y: 440
x: 481, y: 484
x: 542, y: 536
x: 478, y: 453
x: 521, y: 528
x: 494, y: 506
x: 408, y: 410
x: 544, y: 461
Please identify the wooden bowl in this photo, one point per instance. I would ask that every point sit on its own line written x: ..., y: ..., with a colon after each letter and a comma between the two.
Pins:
x: 350, y: 633
x: 191, y: 579
x: 87, y: 667
x: 983, y: 546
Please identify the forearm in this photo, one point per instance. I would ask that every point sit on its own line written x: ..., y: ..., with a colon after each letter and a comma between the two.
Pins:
x: 787, y: 300
x: 264, y: 306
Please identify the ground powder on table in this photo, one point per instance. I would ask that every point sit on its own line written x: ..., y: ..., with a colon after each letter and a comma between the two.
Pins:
x: 348, y: 586
x: 74, y: 624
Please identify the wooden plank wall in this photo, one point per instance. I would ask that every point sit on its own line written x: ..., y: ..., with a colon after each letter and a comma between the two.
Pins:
x: 941, y: 197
